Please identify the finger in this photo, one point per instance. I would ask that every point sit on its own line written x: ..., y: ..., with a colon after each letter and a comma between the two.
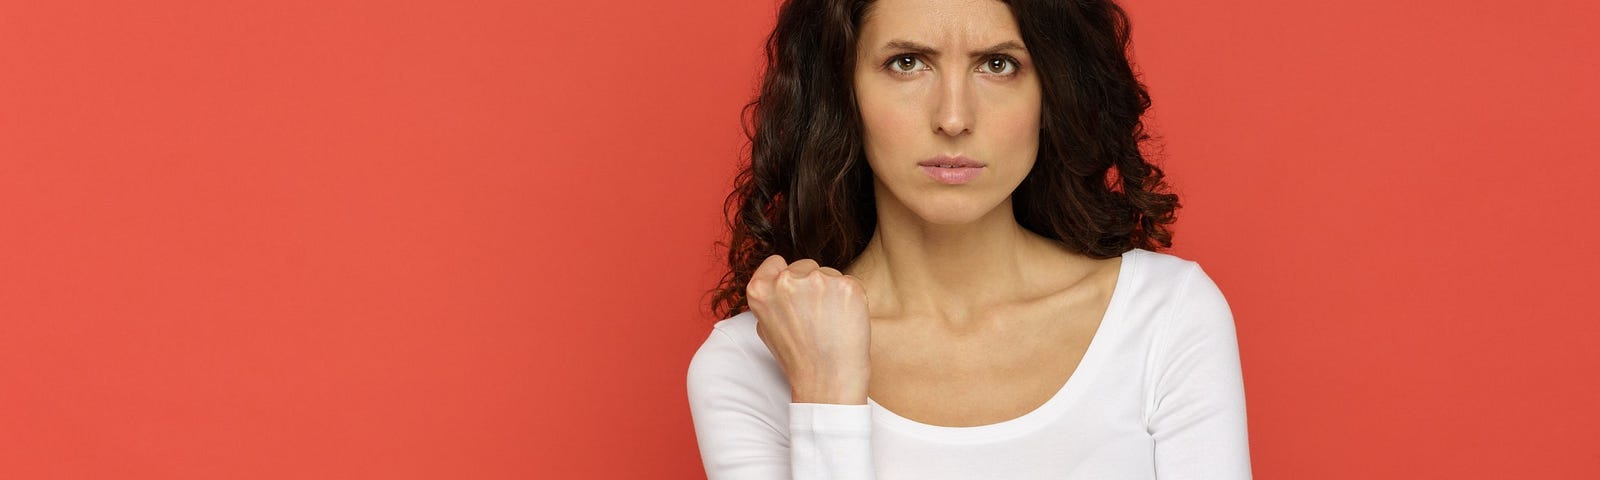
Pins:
x: 855, y: 282
x: 830, y: 271
x: 760, y: 284
x: 802, y: 267
x: 769, y: 269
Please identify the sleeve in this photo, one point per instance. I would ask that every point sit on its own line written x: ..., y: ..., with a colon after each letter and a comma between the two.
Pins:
x: 1197, y: 415
x: 742, y: 433
x: 831, y: 441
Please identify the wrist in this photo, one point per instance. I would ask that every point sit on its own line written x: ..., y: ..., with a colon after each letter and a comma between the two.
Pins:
x: 850, y: 390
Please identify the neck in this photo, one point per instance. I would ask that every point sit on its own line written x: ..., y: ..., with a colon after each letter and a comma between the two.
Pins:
x: 948, y: 273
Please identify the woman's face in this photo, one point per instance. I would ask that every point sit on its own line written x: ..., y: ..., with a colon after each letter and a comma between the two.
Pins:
x: 946, y: 78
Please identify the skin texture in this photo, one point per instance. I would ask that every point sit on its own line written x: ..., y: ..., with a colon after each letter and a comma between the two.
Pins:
x: 969, y: 318
x: 814, y: 320
x: 945, y: 251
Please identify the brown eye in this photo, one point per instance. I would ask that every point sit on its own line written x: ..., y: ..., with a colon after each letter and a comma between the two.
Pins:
x: 999, y: 65
x: 907, y: 61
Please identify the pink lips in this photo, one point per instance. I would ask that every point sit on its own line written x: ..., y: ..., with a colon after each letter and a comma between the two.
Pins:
x: 952, y: 170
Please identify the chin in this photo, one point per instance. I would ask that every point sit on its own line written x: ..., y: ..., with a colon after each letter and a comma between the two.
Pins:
x: 953, y: 211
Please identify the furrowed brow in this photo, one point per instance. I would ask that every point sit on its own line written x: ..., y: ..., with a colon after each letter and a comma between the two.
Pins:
x: 907, y: 45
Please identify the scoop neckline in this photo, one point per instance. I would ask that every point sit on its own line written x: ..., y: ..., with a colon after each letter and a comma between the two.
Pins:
x: 1053, y: 407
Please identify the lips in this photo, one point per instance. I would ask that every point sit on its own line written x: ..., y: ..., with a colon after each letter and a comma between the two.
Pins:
x: 951, y: 161
x: 952, y: 170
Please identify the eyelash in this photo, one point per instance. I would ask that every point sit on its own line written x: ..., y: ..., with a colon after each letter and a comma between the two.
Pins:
x: 1016, y: 66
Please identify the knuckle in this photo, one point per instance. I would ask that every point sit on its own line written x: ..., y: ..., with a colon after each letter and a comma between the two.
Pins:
x: 784, y: 283
x: 852, y: 285
x: 772, y: 263
x: 756, y: 290
x: 793, y: 275
x: 844, y: 283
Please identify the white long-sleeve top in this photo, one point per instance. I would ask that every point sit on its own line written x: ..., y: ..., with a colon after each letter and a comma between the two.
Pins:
x: 1159, y: 394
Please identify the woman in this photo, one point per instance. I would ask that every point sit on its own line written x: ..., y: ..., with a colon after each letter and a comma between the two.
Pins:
x: 975, y: 291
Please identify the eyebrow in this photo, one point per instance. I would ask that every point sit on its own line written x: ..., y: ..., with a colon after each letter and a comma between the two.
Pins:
x: 924, y: 49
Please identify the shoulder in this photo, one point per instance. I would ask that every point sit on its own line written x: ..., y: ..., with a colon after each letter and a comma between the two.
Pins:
x: 1175, y: 297
x: 1183, y: 302
x: 1159, y: 267
x: 733, y: 367
x: 740, y: 329
x: 733, y: 344
x: 1164, y: 276
x: 739, y: 403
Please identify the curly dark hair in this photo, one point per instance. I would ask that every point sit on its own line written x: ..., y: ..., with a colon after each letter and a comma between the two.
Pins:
x: 806, y: 191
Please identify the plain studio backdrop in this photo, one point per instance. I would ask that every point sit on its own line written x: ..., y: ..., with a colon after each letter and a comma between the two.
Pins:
x: 442, y: 239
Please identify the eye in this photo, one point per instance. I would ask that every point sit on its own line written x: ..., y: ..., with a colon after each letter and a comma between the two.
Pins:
x: 902, y: 64
x: 1001, y: 65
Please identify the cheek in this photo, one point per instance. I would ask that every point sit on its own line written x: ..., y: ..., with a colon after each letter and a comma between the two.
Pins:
x: 888, y: 111
x: 1021, y: 131
x: 1013, y: 140
x: 1018, y: 128
x: 888, y: 125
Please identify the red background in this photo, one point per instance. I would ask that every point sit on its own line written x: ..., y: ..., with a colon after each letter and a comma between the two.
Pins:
x: 433, y: 239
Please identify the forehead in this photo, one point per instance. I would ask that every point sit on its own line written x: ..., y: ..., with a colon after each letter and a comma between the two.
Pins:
x: 939, y: 23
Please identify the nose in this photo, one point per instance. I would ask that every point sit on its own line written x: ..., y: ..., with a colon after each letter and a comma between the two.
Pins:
x: 954, y: 112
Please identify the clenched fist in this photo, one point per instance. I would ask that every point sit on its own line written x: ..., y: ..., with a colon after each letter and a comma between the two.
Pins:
x: 814, y: 320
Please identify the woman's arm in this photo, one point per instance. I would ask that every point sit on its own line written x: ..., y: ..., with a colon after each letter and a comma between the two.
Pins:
x: 1197, y: 410
x: 745, y: 431
x: 831, y: 441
